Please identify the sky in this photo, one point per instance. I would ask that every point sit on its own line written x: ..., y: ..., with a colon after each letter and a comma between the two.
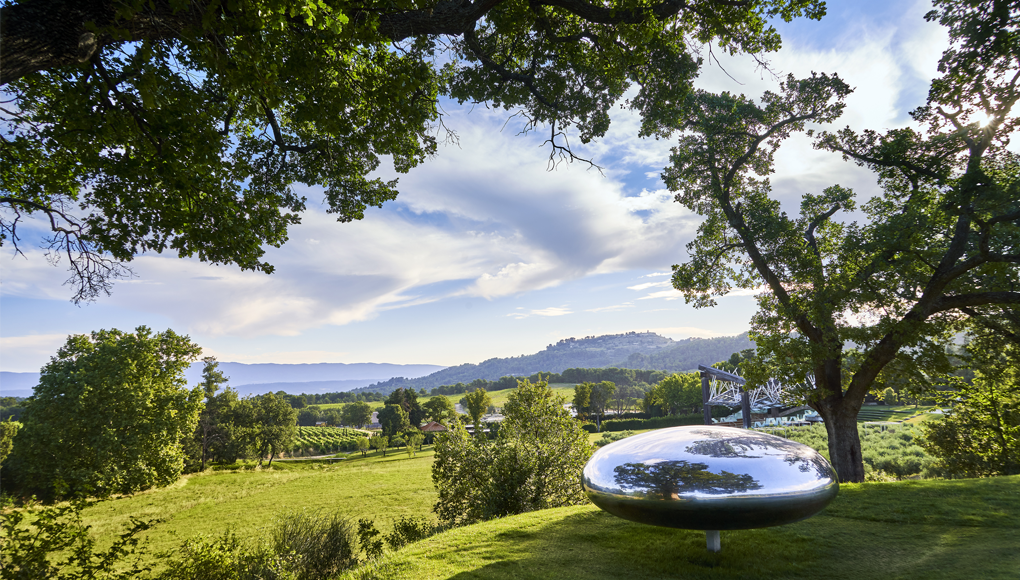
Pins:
x: 486, y: 252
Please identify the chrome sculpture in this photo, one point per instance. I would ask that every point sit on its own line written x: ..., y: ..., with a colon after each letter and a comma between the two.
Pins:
x: 709, y: 478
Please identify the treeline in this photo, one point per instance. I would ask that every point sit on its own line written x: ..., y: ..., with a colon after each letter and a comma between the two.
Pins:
x: 629, y: 351
x: 305, y: 399
x: 618, y: 376
x: 11, y: 408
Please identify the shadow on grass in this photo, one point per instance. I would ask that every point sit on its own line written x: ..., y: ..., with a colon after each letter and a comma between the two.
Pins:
x: 586, y: 543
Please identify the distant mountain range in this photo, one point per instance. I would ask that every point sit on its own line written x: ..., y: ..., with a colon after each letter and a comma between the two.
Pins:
x: 257, y: 379
x: 632, y: 350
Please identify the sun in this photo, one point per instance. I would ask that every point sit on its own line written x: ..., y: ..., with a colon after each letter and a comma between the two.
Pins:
x: 980, y: 117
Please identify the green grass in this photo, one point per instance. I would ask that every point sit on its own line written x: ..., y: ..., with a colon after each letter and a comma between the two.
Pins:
x: 891, y: 412
x: 928, y: 530
x: 246, y: 501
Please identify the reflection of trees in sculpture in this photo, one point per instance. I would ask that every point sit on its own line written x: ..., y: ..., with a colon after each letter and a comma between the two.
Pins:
x: 726, y: 445
x: 670, y: 479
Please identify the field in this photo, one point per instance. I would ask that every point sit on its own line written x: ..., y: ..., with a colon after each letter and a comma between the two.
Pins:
x: 318, y: 440
x: 247, y: 500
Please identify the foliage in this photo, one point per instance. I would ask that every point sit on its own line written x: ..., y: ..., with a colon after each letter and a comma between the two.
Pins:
x: 300, y: 546
x: 980, y: 435
x: 889, y: 452
x: 211, y: 433
x: 52, y: 542
x: 320, y: 440
x: 319, y: 545
x: 363, y: 444
x: 676, y: 394
x: 368, y: 534
x: 534, y: 463
x: 593, y: 359
x: 407, y: 530
x: 582, y: 399
x: 394, y: 420
x: 191, y: 135
x: 356, y: 414
x: 380, y: 442
x: 440, y: 410
x: 408, y: 401
x: 8, y: 429
x: 109, y: 415
x: 608, y: 438
x: 940, y: 239
x: 225, y: 557
x: 601, y: 394
x: 613, y: 425
x: 477, y: 403
x: 264, y: 426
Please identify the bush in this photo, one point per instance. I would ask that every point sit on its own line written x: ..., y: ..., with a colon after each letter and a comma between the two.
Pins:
x: 57, y: 545
x: 409, y: 529
x: 608, y: 438
x: 320, y: 546
x: 534, y: 463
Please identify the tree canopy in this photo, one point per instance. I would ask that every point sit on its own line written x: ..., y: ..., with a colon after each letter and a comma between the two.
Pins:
x: 147, y: 126
x: 109, y: 415
x: 534, y: 463
x: 848, y: 305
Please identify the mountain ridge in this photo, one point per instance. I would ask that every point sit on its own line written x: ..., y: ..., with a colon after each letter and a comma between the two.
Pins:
x: 632, y: 350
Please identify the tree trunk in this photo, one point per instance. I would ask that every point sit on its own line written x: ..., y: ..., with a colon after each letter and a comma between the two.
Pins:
x: 844, y: 440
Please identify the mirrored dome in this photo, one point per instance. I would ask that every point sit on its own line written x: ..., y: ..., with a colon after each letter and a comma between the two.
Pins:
x: 709, y: 478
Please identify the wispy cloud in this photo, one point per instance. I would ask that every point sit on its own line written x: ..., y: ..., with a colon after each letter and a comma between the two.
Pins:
x: 551, y: 311
x: 647, y: 285
x: 613, y: 308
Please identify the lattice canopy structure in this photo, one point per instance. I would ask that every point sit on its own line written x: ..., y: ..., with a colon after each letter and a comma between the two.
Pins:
x: 722, y: 388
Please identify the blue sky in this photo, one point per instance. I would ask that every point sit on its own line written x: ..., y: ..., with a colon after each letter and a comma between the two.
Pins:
x: 485, y: 253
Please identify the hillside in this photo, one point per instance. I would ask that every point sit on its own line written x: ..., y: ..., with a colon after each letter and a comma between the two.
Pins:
x: 633, y: 350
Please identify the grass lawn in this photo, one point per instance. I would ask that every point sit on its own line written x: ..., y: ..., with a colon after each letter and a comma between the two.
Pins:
x: 376, y: 487
x: 929, y: 530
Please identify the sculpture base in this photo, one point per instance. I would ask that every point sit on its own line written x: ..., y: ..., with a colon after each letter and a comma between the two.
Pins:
x: 713, y: 540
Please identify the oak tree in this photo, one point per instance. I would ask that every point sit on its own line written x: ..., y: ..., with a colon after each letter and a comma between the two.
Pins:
x: 109, y: 414
x: 153, y: 125
x: 849, y: 305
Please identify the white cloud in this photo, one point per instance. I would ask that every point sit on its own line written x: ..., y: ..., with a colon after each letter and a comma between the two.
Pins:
x: 550, y: 311
x: 648, y: 285
x: 670, y: 294
x: 613, y: 308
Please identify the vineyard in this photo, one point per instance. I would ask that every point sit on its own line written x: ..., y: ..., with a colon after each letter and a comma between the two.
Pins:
x: 321, y: 440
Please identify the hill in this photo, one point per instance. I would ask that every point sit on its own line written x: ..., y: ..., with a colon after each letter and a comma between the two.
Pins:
x: 632, y: 350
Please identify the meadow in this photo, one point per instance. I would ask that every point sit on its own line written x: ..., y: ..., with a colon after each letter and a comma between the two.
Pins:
x: 248, y: 500
x: 917, y: 529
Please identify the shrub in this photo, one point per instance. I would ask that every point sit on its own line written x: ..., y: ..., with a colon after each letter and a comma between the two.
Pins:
x: 608, y: 438
x: 320, y: 546
x: 57, y: 545
x: 409, y: 529
x: 534, y: 463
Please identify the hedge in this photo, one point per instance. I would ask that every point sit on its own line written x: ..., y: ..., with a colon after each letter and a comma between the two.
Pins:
x: 654, y: 423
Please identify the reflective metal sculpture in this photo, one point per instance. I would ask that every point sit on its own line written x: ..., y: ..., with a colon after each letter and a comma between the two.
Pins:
x: 709, y: 478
